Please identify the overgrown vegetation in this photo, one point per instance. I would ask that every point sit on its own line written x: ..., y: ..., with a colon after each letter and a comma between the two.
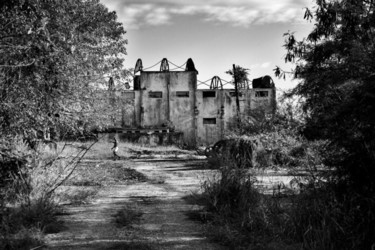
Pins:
x: 238, y: 212
x: 44, y: 180
x: 313, y: 211
x: 128, y: 215
x: 333, y: 144
x: 56, y: 57
x: 336, y: 66
x: 28, y: 194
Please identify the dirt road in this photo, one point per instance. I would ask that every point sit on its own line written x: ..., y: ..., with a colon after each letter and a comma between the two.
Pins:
x: 159, y: 202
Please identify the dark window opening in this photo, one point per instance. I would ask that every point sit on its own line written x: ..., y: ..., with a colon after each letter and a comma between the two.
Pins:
x: 182, y: 93
x: 156, y: 94
x: 209, y: 120
x: 209, y: 94
x: 233, y: 94
x: 261, y: 94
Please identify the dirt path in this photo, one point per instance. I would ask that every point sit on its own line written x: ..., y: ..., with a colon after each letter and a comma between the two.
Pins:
x: 164, y: 223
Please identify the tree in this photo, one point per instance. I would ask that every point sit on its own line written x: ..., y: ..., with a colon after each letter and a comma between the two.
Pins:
x: 336, y: 66
x: 240, y: 81
x: 52, y: 54
x: 240, y: 75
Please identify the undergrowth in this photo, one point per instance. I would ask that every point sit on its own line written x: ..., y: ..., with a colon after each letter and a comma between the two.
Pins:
x: 319, y: 213
x: 128, y: 215
x: 29, y: 207
x: 237, y: 214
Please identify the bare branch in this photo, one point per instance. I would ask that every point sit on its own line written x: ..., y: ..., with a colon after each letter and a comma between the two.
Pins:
x: 19, y: 65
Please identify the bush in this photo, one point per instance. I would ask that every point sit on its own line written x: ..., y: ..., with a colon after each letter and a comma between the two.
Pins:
x: 322, y: 213
x: 24, y: 239
x: 332, y: 206
x: 242, y: 216
x: 127, y: 216
x: 14, y: 155
x: 28, y: 196
x: 37, y: 214
x: 237, y: 211
x: 281, y: 149
x: 318, y: 219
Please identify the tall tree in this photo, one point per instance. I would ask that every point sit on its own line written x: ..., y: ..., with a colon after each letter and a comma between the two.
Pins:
x: 240, y: 75
x: 336, y: 66
x: 51, y: 54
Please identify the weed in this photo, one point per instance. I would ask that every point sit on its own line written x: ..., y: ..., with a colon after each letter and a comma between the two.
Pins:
x: 76, y: 196
x: 237, y: 209
x: 127, y: 216
x: 25, y: 238
x: 28, y: 197
x: 130, y: 174
x: 237, y: 213
x: 315, y: 215
x: 319, y: 220
x: 158, y: 180
x: 97, y: 174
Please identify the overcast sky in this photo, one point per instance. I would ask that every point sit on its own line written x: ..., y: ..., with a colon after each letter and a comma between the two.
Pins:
x: 215, y: 33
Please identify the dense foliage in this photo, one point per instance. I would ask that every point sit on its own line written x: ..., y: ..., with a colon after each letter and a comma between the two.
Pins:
x: 333, y: 204
x: 336, y: 66
x: 51, y: 54
x: 240, y: 75
x: 56, y: 58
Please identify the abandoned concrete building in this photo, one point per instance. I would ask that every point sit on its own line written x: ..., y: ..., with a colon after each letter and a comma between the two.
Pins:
x: 167, y: 105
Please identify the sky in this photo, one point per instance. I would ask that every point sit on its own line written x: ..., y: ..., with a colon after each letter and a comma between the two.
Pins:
x: 215, y: 33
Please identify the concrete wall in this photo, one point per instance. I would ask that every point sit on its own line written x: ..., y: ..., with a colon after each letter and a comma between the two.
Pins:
x: 170, y: 99
x: 160, y: 139
x: 230, y: 107
x: 137, y: 108
x: 154, y: 99
x: 223, y: 108
x: 263, y: 99
x: 209, y: 117
x: 129, y: 112
x: 182, y: 87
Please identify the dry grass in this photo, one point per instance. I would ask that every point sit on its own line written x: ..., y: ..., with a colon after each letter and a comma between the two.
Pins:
x: 104, y: 173
x: 102, y: 150
x: 75, y: 195
x: 72, y: 174
x: 238, y: 214
x: 128, y: 215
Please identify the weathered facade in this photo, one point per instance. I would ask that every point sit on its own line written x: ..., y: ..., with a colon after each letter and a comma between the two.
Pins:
x: 169, y: 101
x: 217, y: 108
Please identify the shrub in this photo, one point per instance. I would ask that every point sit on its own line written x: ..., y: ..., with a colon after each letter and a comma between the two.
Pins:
x: 239, y: 216
x: 242, y: 216
x: 27, y: 196
x: 24, y: 239
x: 318, y: 219
x: 127, y: 216
x: 14, y: 155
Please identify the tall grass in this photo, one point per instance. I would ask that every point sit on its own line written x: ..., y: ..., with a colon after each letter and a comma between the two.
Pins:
x: 28, y: 197
x: 243, y: 216
x: 236, y: 210
x: 329, y: 208
x: 317, y: 214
